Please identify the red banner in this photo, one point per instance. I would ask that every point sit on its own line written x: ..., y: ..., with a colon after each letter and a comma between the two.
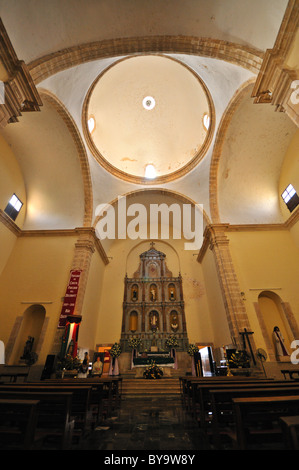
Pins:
x: 70, y: 298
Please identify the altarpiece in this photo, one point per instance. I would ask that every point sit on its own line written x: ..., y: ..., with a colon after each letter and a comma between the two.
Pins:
x: 153, y: 305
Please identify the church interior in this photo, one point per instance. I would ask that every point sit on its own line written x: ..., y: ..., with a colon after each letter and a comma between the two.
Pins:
x: 149, y: 217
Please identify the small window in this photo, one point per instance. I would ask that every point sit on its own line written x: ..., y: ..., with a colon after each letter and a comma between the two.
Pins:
x: 13, y: 207
x: 290, y: 197
x: 206, y: 121
x: 91, y: 124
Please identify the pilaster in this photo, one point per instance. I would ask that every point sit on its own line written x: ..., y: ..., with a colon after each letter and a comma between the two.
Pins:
x: 231, y: 292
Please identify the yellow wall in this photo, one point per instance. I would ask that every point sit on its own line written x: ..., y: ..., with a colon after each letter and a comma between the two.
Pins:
x: 215, y: 300
x: 37, y: 271
x: 266, y: 260
x: 290, y: 171
x: 90, y: 310
x: 11, y: 180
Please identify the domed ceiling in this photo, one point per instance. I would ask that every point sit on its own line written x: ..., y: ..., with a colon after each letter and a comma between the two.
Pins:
x: 146, y: 113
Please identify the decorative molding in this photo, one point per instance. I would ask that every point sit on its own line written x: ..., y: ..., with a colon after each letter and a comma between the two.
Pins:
x: 139, y: 179
x: 273, y: 84
x: 238, y: 54
x: 20, y: 92
x: 10, y: 224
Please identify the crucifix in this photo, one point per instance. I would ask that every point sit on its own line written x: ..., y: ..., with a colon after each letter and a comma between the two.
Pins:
x: 152, y: 244
x: 245, y: 336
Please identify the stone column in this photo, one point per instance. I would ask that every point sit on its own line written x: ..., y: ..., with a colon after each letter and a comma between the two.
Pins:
x: 234, y: 305
x: 84, y: 249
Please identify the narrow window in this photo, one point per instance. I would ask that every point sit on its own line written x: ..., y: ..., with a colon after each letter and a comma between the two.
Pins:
x: 290, y: 197
x: 13, y: 207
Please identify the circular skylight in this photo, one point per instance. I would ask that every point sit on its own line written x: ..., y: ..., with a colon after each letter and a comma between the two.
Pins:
x: 131, y: 132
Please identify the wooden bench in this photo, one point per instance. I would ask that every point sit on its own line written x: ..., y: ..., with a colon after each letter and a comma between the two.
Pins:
x: 18, y: 419
x: 54, y: 424
x: 223, y: 419
x: 290, y: 431
x: 80, y: 411
x: 198, y: 392
x: 257, y: 418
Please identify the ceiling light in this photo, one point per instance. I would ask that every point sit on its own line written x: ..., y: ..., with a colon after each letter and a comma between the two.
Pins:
x: 150, y: 171
x: 148, y: 102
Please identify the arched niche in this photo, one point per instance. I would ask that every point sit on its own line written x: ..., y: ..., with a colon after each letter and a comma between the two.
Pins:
x: 171, y: 292
x: 31, y: 326
x: 133, y: 321
x: 273, y: 314
x: 134, y: 292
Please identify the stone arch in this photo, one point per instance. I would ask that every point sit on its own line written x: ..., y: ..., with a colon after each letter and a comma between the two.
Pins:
x: 272, y: 311
x: 244, y: 56
x: 32, y: 324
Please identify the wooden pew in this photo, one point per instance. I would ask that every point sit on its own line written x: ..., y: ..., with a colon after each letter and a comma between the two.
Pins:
x: 80, y: 411
x: 200, y: 401
x: 223, y: 419
x: 18, y: 420
x: 290, y: 431
x: 258, y: 417
x: 54, y: 424
x: 96, y: 394
x: 195, y: 399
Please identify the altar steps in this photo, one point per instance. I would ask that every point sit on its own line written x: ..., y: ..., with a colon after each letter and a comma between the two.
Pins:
x: 135, y: 387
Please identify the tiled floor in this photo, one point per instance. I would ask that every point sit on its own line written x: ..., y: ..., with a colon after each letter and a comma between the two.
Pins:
x: 148, y: 424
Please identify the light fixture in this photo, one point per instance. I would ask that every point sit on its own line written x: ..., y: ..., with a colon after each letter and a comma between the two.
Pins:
x: 148, y: 102
x: 150, y: 171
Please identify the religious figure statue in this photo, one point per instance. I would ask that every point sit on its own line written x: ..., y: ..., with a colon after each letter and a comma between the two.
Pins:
x: 153, y: 293
x: 278, y: 339
x: 154, y: 321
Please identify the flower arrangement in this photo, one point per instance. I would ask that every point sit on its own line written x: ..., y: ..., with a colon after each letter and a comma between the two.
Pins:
x: 239, y: 359
x: 192, y: 349
x: 171, y: 342
x: 69, y: 363
x: 115, y: 351
x: 153, y: 372
x: 134, y: 342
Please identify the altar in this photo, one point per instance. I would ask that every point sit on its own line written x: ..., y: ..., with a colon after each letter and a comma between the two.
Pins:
x: 160, y: 359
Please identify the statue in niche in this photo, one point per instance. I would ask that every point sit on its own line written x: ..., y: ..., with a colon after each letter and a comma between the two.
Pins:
x: 154, y: 320
x: 134, y: 293
x: 174, y: 321
x: 278, y: 340
x: 171, y: 292
x: 153, y: 293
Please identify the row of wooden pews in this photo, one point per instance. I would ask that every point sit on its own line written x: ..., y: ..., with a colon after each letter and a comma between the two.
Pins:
x: 243, y: 411
x: 55, y: 413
